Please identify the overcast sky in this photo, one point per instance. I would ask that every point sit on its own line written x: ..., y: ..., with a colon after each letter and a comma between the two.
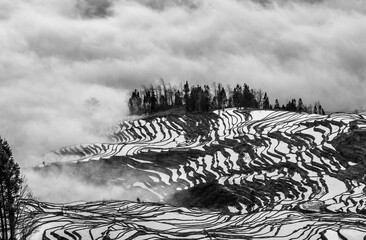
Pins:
x: 55, y: 55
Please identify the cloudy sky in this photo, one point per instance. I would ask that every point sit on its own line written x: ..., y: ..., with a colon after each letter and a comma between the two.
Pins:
x: 57, y: 55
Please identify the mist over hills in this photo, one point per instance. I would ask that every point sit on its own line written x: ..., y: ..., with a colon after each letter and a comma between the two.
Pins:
x: 57, y: 55
x: 67, y: 69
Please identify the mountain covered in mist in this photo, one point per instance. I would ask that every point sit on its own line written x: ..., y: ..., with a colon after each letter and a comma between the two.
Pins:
x: 230, y: 174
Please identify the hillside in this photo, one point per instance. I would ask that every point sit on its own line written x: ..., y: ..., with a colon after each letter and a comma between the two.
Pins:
x: 230, y: 174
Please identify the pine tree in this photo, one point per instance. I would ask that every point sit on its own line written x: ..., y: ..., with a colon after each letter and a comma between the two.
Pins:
x: 300, y: 105
x: 153, y: 100
x: 10, y: 185
x: 247, y: 98
x: 207, y: 98
x: 177, y: 98
x: 321, y: 110
x: 237, y: 96
x: 277, y: 104
x: 221, y: 97
x: 253, y: 100
x: 265, y: 101
x: 147, y: 101
x: 194, y: 101
x: 293, y: 105
x: 135, y: 103
x: 186, y: 95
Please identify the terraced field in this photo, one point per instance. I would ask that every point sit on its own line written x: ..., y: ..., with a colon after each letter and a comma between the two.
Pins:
x: 230, y: 174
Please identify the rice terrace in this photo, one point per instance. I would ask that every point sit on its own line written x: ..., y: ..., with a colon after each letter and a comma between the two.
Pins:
x: 229, y: 174
x: 171, y: 119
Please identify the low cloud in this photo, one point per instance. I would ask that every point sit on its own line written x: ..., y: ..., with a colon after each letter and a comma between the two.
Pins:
x: 58, y: 54
x: 63, y: 187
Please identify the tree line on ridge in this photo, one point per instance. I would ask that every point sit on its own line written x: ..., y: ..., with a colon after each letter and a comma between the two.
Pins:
x: 198, y: 98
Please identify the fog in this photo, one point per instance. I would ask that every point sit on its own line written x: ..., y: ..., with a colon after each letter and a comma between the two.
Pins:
x: 63, y: 187
x: 58, y: 55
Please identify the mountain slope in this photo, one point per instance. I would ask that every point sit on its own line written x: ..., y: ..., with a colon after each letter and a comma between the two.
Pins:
x: 130, y: 220
x: 300, y: 167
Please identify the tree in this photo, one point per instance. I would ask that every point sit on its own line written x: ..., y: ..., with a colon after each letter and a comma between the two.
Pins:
x: 177, y: 98
x: 164, y: 95
x: 229, y: 97
x: 194, y: 100
x: 253, y: 100
x: 247, y: 97
x: 237, y: 96
x: 186, y: 95
x: 322, y: 112
x: 320, y: 109
x: 10, y: 187
x: 147, y: 101
x: 221, y: 97
x: 153, y: 100
x: 206, y: 98
x: 265, y: 101
x: 300, y: 106
x: 135, y: 103
x: 291, y: 105
x: 277, y: 104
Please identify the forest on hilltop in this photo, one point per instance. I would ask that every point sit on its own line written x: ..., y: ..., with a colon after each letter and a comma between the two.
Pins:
x: 196, y: 98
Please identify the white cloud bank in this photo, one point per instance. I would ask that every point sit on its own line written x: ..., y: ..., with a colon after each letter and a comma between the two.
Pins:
x: 57, y: 54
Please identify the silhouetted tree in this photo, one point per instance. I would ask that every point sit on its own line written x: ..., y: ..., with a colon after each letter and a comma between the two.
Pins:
x: 277, y: 104
x: 237, y: 96
x: 194, y: 101
x: 214, y: 103
x: 10, y: 186
x: 163, y: 95
x: 206, y: 99
x: 147, y: 101
x: 186, y: 95
x: 229, y: 102
x: 253, y: 100
x: 214, y: 99
x: 247, y: 97
x: 265, y: 101
x: 322, y: 112
x: 319, y: 108
x: 178, y: 99
x: 291, y: 105
x: 221, y: 97
x: 135, y: 102
x: 300, y: 105
x: 153, y: 100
